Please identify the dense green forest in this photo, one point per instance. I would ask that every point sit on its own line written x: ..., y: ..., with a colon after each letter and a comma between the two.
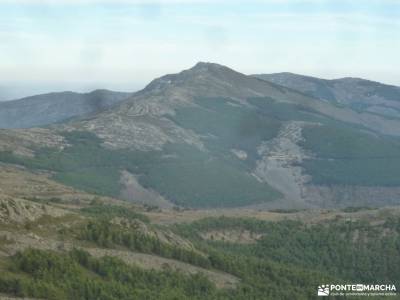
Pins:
x: 344, y: 249
x: 77, y: 275
x: 348, y: 157
x: 288, y: 261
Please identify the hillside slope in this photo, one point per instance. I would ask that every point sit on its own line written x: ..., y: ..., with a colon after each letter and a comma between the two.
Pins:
x: 113, y: 250
x: 126, y: 124
x: 358, y: 94
x: 55, y: 107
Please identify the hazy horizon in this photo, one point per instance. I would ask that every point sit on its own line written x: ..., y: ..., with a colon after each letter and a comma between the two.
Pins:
x: 18, y: 90
x: 81, y: 45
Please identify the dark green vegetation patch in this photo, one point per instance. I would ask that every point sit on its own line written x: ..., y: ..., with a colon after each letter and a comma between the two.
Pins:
x: 349, y: 157
x: 77, y: 275
x: 347, y: 250
x: 288, y: 261
x: 226, y: 126
x: 106, y: 234
x: 107, y: 211
x: 181, y: 173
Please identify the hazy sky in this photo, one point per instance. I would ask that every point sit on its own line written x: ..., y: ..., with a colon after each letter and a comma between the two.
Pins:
x: 123, y: 44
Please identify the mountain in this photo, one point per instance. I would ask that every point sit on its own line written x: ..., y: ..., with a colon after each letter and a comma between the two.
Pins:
x: 359, y: 94
x: 51, y: 108
x: 166, y: 95
x: 212, y: 137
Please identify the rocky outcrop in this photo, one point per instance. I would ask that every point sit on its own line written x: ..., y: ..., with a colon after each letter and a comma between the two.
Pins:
x: 14, y: 210
x: 279, y: 165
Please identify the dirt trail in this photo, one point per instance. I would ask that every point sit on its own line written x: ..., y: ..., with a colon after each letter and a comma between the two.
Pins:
x: 147, y: 261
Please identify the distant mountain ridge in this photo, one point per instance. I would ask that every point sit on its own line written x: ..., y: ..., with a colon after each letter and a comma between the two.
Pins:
x: 210, y: 136
x: 41, y: 110
x: 359, y: 94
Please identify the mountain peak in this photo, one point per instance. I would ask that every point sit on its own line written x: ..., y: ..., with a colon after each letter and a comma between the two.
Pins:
x: 208, y: 66
x: 202, y: 64
x: 212, y: 80
x: 196, y: 74
x: 211, y: 68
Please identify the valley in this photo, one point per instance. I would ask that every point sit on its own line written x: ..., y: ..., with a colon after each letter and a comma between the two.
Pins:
x: 94, y: 242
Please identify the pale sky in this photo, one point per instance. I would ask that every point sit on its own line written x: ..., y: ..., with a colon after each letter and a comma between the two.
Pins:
x: 77, y: 45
